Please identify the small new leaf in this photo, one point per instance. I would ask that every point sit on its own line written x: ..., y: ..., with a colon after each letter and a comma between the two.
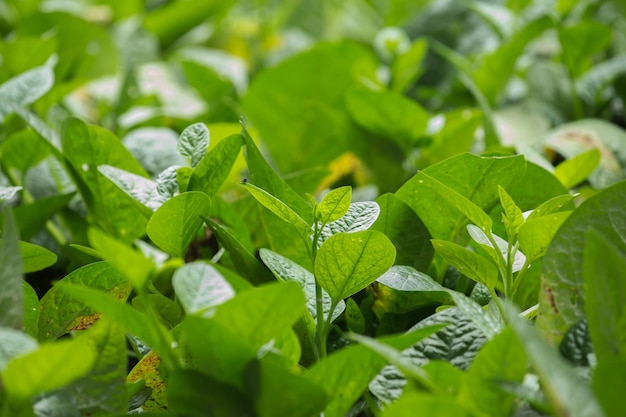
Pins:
x: 193, y: 143
x: 334, y: 205
x: 277, y: 207
x: 512, y: 216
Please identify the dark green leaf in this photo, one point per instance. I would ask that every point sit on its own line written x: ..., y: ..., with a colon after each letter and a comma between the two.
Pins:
x: 605, y: 290
x: 58, y: 310
x: 299, y: 397
x: 11, y: 296
x: 561, y: 302
x: 406, y: 231
x: 566, y: 390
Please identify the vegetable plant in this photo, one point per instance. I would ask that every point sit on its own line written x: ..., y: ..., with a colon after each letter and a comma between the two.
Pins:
x: 235, y: 208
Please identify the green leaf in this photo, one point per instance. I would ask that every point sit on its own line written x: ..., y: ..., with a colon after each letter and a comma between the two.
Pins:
x: 193, y: 143
x: 214, y: 349
x: 25, y: 89
x: 312, y: 132
x: 262, y: 313
x: 404, y: 289
x: 354, y: 317
x: 86, y: 148
x: 141, y: 189
x: 360, y: 216
x: 174, y: 225
x: 14, y: 343
x: 457, y: 343
x: 214, y: 168
x: 469, y: 263
x: 279, y: 208
x: 473, y: 311
x: 536, y: 234
x: 578, y: 49
x: 501, y: 359
x: 184, y: 397
x: 58, y: 310
x: 512, y: 216
x: 11, y: 273
x: 472, y: 177
x: 103, y: 388
x: 200, y: 287
x: 145, y: 327
x: 299, y: 397
x: 359, y: 365
x: 262, y: 174
x: 605, y: 288
x: 130, y: 262
x: 608, y: 377
x: 31, y: 310
x: 553, y: 205
x: 348, y: 262
x: 567, y: 391
x: 571, y: 139
x: 166, y: 309
x: 32, y: 217
x: 427, y: 404
x: 388, y: 115
x: 334, y: 205
x: 7, y: 193
x: 573, y: 171
x: 406, y: 231
x: 35, y: 257
x: 495, y: 69
x: 561, y: 300
x: 576, y: 345
x: 151, y: 373
x: 167, y: 182
x: 286, y: 270
x: 50, y: 367
x: 244, y: 261
x: 406, y: 67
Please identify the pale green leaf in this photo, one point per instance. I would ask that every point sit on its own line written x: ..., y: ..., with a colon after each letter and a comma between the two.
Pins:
x: 360, y: 216
x: 128, y: 261
x: 35, y: 257
x: 200, y: 287
x: 193, y: 143
x: 50, y: 367
x: 573, y: 171
x: 142, y: 189
x: 11, y: 273
x: 279, y: 208
x: 512, y: 216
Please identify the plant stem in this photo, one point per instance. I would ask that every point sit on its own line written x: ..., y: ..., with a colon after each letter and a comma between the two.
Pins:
x: 320, y: 328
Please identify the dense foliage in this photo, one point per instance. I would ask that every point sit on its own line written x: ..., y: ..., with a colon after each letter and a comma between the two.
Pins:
x: 304, y: 208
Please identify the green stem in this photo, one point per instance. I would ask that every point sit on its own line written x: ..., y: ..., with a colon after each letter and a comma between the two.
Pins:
x: 320, y: 329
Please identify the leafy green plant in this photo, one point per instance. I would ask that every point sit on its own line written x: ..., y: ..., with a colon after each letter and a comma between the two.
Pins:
x: 360, y: 208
